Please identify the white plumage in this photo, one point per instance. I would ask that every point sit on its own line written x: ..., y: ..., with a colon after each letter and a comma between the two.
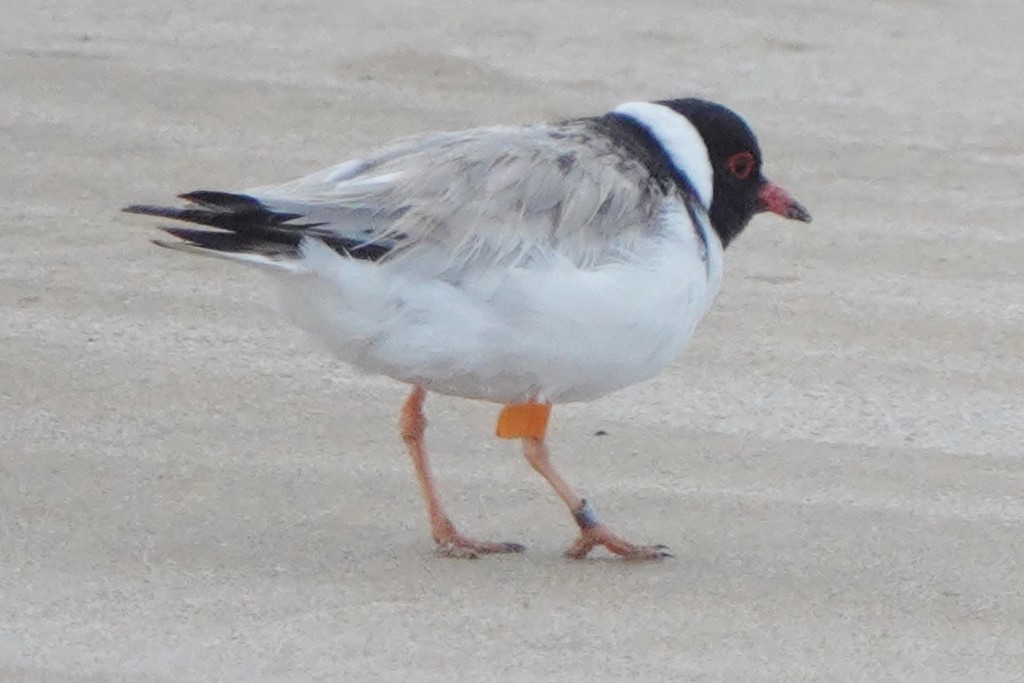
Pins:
x: 515, y: 277
x: 525, y: 265
x: 545, y: 331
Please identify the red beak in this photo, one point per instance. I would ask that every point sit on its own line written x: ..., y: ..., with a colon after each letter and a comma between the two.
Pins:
x: 776, y: 200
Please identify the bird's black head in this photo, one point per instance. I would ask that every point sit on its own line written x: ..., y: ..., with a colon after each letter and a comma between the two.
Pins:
x: 740, y: 189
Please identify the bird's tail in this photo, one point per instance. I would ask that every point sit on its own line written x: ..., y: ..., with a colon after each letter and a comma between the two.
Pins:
x: 241, y: 228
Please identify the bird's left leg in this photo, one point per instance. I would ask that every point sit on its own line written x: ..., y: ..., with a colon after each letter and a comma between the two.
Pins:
x: 528, y: 422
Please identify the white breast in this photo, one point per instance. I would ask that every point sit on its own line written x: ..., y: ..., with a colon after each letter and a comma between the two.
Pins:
x: 556, y: 333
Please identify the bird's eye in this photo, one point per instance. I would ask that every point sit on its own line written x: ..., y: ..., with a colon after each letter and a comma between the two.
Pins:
x: 741, y: 164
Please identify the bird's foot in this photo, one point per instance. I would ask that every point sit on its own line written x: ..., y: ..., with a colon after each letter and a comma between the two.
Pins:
x: 593, y: 533
x: 453, y: 544
x: 600, y: 535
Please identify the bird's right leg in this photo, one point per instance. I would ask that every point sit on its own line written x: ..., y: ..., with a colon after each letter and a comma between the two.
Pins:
x: 450, y: 543
x: 592, y: 532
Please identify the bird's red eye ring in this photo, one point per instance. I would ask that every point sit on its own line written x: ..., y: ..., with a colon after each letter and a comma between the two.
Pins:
x: 741, y: 164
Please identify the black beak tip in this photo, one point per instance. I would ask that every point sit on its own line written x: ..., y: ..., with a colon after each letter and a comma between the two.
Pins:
x: 797, y: 212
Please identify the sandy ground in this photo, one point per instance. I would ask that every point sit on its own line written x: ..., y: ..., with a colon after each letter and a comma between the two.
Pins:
x: 190, y: 492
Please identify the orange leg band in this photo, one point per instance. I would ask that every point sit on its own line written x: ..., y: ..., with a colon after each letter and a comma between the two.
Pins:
x: 523, y: 421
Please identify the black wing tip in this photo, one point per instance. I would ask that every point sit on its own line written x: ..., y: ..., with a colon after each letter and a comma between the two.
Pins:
x: 218, y: 241
x: 228, y: 202
x: 224, y: 201
x: 224, y: 211
x: 242, y: 223
x: 144, y: 209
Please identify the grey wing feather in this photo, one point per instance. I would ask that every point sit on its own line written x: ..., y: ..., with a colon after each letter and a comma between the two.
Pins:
x: 484, y: 196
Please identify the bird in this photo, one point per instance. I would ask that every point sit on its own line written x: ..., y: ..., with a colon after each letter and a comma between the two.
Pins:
x: 522, y: 265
